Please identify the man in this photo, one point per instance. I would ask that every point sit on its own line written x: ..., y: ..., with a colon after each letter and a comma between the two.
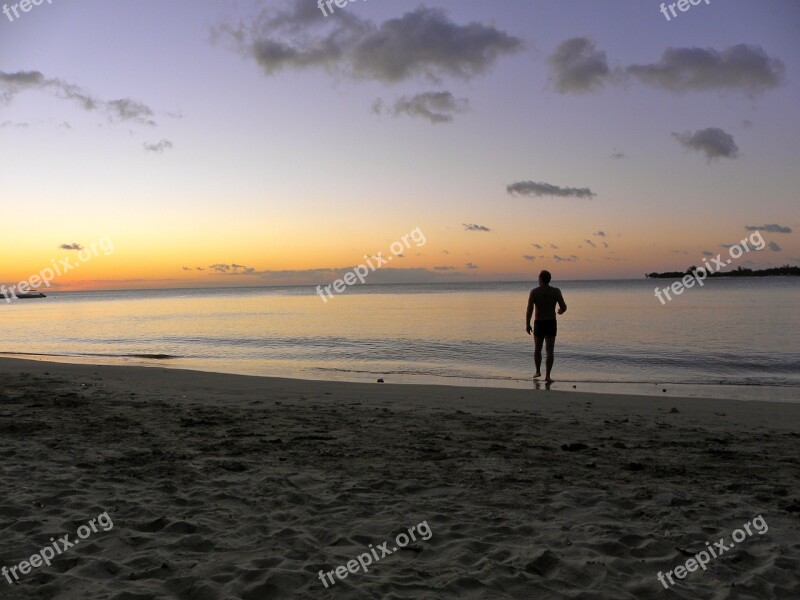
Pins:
x: 544, y: 298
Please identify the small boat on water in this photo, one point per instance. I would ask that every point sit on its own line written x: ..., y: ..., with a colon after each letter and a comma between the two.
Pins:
x: 22, y: 296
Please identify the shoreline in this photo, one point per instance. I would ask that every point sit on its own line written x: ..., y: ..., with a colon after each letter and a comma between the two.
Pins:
x: 744, y: 392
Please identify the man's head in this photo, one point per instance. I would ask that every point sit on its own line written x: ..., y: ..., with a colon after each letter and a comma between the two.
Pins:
x: 544, y: 278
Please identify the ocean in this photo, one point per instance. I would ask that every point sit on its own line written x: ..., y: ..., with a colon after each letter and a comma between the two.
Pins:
x: 732, y: 338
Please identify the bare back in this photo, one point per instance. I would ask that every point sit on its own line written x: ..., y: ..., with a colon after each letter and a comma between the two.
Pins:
x: 545, y: 299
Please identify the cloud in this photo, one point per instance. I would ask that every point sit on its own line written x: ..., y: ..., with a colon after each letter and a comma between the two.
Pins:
x: 529, y: 257
x: 444, y: 268
x: 712, y: 141
x: 436, y: 107
x: 124, y: 109
x: 423, y: 43
x: 571, y: 258
x: 774, y: 247
x: 738, y: 68
x: 554, y: 247
x: 72, y: 246
x: 474, y: 227
x: 186, y: 268
x: 618, y: 155
x: 158, y: 146
x: 605, y: 245
x: 471, y: 265
x: 774, y: 228
x: 590, y: 243
x: 707, y: 253
x: 578, y: 67
x: 537, y: 246
x: 531, y: 188
x: 600, y: 233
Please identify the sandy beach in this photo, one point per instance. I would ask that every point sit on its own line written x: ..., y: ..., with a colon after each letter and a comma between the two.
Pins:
x: 232, y: 487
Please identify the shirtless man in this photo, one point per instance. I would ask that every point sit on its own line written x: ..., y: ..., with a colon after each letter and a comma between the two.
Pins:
x: 544, y: 298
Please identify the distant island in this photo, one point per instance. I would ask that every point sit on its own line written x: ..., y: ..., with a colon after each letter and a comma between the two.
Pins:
x: 739, y: 272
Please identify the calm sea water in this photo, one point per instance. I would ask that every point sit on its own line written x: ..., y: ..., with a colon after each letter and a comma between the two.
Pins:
x: 733, y: 338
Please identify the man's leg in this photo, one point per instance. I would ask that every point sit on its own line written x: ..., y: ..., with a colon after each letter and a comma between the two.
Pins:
x: 538, y: 341
x: 551, y: 346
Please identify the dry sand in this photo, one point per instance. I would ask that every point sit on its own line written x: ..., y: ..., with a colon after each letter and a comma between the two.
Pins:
x: 231, y: 487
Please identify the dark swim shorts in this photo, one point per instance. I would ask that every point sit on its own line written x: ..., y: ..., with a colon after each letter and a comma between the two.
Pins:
x: 547, y: 328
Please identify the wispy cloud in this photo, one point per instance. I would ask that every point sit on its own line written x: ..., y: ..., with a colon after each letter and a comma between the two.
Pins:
x: 532, y: 188
x: 474, y: 227
x: 121, y: 110
x: 72, y: 246
x: 158, y: 146
x: 774, y: 228
x: 436, y: 107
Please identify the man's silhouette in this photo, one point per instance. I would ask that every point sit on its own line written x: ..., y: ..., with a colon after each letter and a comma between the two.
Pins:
x: 545, y: 327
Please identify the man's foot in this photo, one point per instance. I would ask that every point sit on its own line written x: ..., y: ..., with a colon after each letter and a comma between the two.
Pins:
x: 549, y: 379
x: 538, y: 374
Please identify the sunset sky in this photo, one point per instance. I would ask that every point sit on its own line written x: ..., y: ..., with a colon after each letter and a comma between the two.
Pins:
x: 262, y: 143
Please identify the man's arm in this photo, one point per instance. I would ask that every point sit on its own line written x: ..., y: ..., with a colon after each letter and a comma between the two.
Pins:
x: 562, y: 306
x: 529, y: 314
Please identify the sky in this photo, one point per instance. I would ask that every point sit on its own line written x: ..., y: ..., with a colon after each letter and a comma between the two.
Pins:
x: 206, y: 143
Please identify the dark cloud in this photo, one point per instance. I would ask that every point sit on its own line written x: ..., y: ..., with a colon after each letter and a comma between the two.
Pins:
x: 529, y: 257
x: 422, y: 43
x: 124, y: 109
x: 740, y: 67
x: 158, y: 146
x: 590, y: 243
x: 774, y: 247
x: 444, y: 268
x: 72, y: 246
x: 471, y: 265
x: 712, y: 141
x: 186, y: 268
x: 436, y: 107
x: 618, y: 155
x: 537, y: 246
x: 532, y: 188
x: 600, y: 233
x: 774, y: 228
x: 577, y: 66
x: 474, y: 227
x: 571, y: 258
x: 707, y: 253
